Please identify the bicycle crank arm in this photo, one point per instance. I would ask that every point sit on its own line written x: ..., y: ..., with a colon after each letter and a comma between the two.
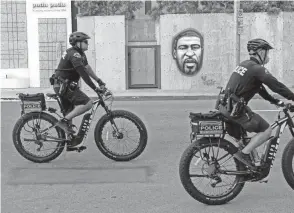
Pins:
x: 78, y: 149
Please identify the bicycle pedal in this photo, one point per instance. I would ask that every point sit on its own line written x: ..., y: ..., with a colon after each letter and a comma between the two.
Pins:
x: 78, y: 149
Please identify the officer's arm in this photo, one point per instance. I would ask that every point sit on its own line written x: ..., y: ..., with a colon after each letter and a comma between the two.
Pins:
x: 266, y: 96
x: 265, y: 77
x: 77, y: 63
x: 91, y: 73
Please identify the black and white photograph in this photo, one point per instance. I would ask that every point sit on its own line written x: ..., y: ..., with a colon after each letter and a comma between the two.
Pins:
x: 147, y: 106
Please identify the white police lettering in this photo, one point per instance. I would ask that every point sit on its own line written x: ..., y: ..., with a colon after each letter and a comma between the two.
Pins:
x: 240, y: 70
x: 211, y: 128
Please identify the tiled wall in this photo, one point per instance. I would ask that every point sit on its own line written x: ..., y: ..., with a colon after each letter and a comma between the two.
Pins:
x: 14, y: 53
x: 52, y: 42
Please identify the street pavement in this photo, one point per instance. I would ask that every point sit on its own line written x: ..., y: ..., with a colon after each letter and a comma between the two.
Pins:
x: 89, y: 182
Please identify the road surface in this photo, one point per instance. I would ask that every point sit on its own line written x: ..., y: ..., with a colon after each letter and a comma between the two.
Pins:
x: 89, y: 182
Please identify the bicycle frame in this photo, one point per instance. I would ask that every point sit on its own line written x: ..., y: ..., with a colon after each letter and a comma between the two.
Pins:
x: 271, y: 147
x: 87, y: 119
x: 274, y: 142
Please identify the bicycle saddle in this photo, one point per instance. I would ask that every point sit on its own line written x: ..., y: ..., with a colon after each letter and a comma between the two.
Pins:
x: 52, y: 95
x: 211, y: 114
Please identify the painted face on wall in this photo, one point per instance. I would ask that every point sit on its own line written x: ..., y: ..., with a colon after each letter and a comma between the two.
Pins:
x: 188, y: 52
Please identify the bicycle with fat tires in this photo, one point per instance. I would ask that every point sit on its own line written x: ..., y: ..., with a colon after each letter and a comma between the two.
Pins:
x: 210, y: 173
x: 111, y: 133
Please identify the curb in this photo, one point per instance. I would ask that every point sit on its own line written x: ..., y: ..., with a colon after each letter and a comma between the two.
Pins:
x: 146, y: 98
x: 158, y: 98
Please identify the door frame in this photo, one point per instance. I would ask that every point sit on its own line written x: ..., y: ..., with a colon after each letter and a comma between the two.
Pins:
x: 157, y: 68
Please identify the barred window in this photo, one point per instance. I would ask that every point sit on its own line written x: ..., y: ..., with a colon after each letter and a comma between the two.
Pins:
x: 14, y: 48
x: 52, y: 43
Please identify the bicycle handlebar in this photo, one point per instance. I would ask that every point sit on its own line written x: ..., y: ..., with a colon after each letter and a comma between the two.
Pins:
x: 288, y: 106
x: 104, y: 92
x: 100, y: 91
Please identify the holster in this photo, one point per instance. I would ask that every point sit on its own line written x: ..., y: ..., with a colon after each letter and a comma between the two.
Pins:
x: 62, y: 84
x: 63, y: 87
x: 237, y: 105
x: 231, y: 105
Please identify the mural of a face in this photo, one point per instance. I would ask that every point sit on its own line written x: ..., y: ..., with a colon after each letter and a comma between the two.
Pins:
x: 187, y: 50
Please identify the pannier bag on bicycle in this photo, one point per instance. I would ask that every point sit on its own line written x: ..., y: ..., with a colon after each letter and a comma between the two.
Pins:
x: 32, y: 102
x: 206, y: 124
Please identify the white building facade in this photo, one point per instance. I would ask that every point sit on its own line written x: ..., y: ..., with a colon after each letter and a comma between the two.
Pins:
x: 33, y: 35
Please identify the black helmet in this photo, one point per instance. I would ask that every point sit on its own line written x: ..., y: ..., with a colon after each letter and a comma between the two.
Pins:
x: 258, y: 43
x: 77, y: 36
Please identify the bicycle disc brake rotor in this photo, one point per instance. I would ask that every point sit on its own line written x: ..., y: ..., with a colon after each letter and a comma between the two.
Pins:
x: 118, y: 134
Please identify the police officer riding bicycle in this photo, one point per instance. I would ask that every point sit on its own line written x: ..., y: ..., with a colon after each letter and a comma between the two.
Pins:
x: 247, y: 80
x: 73, y: 65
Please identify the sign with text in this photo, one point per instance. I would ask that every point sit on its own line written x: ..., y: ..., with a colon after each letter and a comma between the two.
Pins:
x: 240, y: 21
x: 49, y: 7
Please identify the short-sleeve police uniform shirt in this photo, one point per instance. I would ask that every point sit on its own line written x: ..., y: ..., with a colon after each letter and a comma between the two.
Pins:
x: 70, y: 60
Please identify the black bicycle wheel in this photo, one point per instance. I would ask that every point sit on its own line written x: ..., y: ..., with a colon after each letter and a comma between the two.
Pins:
x: 23, y: 125
x: 288, y: 163
x: 105, y: 134
x: 204, y: 148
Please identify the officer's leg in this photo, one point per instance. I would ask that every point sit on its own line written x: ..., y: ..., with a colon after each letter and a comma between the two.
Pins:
x: 255, y: 124
x: 63, y: 123
x: 81, y: 102
x: 263, y: 130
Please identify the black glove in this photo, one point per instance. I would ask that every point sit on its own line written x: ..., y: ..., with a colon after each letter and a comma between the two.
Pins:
x: 98, y: 90
x: 102, y: 87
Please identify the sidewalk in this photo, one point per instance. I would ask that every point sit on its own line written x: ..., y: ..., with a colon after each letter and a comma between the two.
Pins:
x: 133, y: 94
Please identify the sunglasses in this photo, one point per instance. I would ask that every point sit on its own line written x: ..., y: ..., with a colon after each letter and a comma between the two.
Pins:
x: 85, y: 41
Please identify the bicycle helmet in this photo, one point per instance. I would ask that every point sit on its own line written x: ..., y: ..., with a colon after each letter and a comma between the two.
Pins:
x: 77, y: 37
x: 258, y: 43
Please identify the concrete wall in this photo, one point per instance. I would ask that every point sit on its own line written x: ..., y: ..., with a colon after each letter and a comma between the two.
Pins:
x: 218, y: 31
x: 107, y: 48
x: 106, y: 54
x: 288, y: 49
x: 269, y: 28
